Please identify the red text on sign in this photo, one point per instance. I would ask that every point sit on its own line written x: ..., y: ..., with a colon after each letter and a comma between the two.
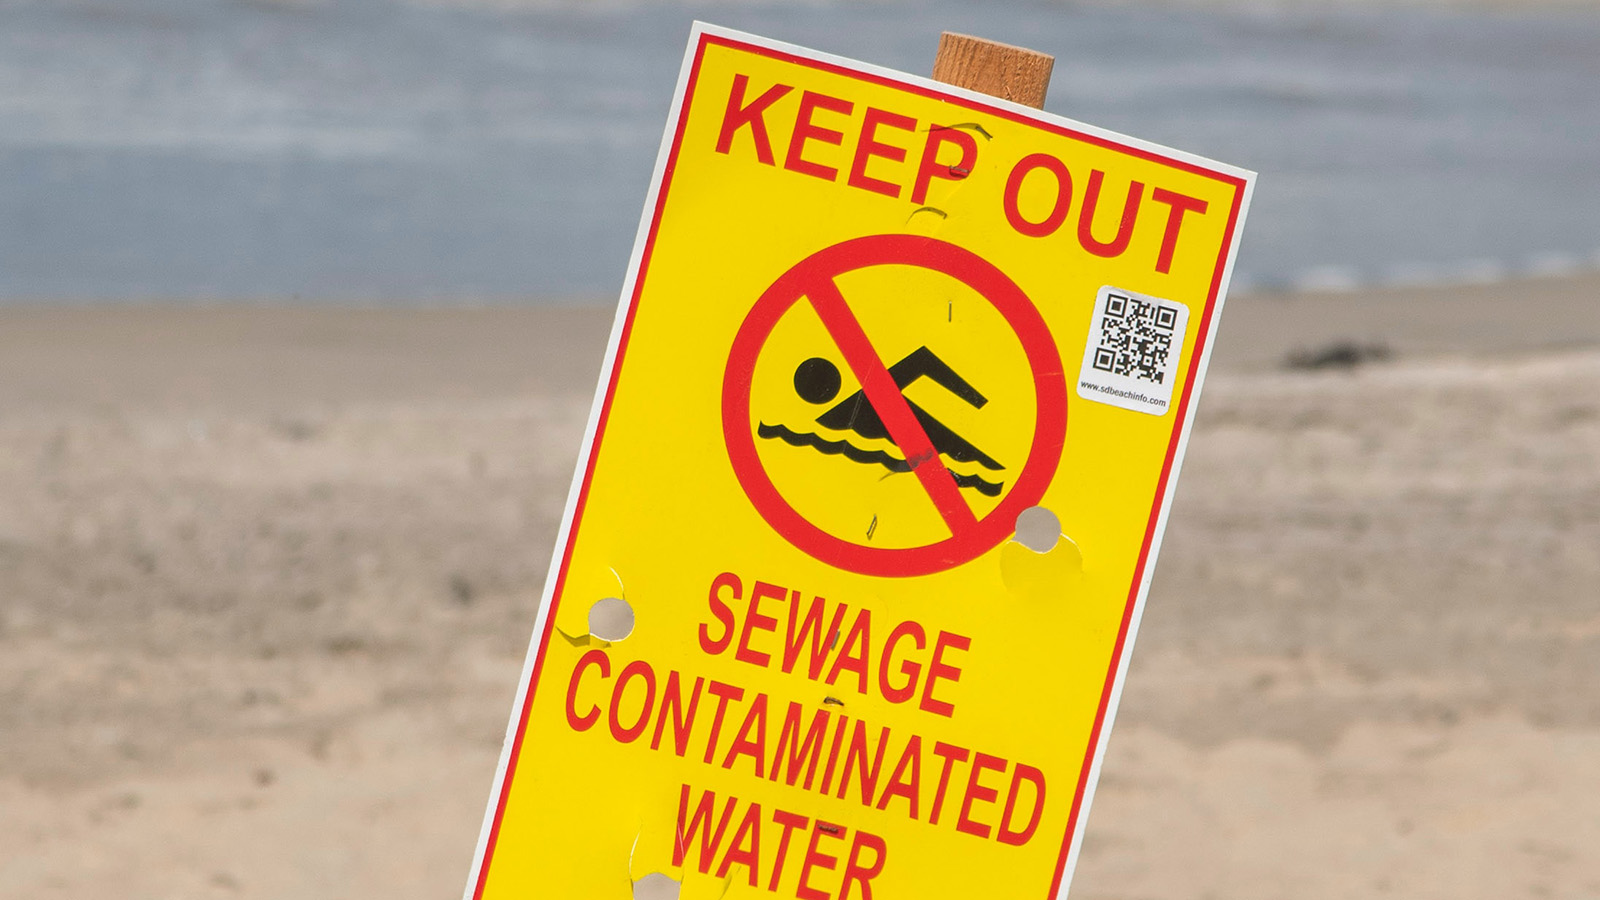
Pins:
x: 1098, y: 234
x: 833, y: 654
x: 826, y: 138
x: 830, y: 138
x: 825, y: 854
x: 814, y: 749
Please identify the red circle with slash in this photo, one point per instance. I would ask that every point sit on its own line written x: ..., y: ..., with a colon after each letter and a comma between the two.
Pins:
x: 814, y: 279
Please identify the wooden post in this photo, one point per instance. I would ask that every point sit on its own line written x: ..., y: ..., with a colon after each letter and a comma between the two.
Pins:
x: 999, y: 70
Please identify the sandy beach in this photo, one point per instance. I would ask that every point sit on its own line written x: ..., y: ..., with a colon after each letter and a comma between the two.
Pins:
x: 267, y: 575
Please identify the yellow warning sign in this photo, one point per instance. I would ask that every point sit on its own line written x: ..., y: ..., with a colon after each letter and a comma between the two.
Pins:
x: 873, y: 487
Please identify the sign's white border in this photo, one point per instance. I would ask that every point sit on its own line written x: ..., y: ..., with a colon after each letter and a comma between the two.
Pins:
x: 624, y: 307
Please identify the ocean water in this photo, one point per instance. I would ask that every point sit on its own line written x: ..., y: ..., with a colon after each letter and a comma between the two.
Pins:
x: 398, y: 152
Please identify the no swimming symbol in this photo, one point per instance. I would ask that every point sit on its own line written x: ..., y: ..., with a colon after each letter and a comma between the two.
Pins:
x: 880, y: 410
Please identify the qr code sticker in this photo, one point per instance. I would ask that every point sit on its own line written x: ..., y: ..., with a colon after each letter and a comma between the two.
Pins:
x: 1136, y: 337
x: 1131, y: 358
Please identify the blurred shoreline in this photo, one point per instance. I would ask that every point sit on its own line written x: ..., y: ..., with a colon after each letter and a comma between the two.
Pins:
x: 91, y: 357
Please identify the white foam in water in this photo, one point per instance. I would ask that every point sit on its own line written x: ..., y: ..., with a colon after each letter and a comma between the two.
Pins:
x: 1327, y: 278
x: 1480, y: 271
x: 1415, y: 274
x: 1553, y: 264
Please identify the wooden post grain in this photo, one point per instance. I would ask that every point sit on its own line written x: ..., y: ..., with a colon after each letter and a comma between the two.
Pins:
x: 999, y: 70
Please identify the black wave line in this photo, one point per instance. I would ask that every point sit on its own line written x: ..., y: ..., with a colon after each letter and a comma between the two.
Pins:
x: 832, y: 448
x: 986, y: 488
x: 856, y: 454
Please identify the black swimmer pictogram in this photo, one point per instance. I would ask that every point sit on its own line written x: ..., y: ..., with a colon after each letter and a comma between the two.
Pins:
x: 817, y: 381
x: 804, y: 511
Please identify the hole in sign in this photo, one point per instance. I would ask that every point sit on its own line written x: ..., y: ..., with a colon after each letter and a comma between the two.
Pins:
x: 656, y: 886
x: 1038, y: 529
x: 611, y: 619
